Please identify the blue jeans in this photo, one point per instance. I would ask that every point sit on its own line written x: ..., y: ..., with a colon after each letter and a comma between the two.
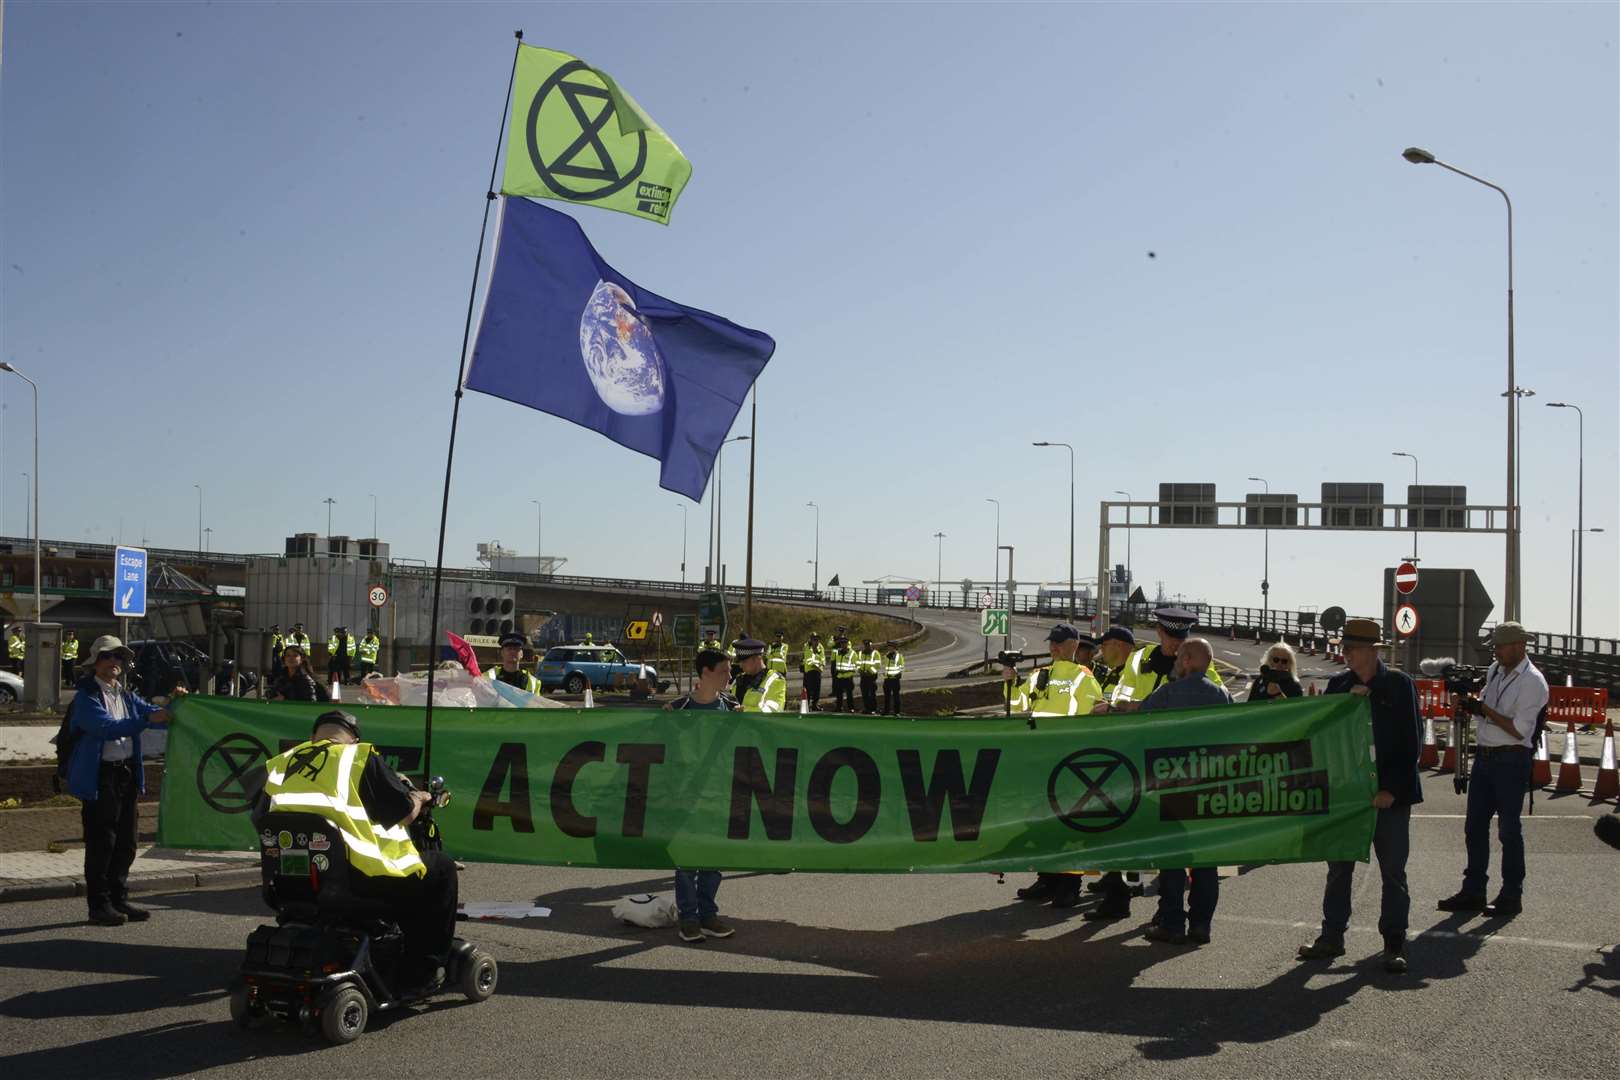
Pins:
x: 694, y: 893
x: 1392, y: 843
x: 1496, y: 786
x: 1206, y: 891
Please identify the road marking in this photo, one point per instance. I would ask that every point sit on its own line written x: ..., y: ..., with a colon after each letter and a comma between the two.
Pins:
x: 1522, y: 817
x: 1229, y: 652
x: 1505, y: 939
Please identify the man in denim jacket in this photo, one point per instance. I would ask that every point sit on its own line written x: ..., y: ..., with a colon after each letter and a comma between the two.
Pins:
x: 106, y: 774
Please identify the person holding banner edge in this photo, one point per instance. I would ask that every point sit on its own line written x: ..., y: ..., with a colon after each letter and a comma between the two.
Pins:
x: 1397, y: 729
x: 698, y: 916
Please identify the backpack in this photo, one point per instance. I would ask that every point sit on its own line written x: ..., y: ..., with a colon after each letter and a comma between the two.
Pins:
x: 65, y: 739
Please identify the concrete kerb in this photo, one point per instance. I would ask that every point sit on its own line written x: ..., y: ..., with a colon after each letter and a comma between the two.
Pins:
x: 157, y: 881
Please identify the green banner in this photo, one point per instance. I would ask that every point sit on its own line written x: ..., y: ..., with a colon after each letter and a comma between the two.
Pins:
x: 575, y: 135
x: 637, y: 788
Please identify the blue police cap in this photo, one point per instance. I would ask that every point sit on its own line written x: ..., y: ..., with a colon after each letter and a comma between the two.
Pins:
x: 748, y: 647
x: 1177, y: 622
x: 1063, y: 632
x: 1120, y: 633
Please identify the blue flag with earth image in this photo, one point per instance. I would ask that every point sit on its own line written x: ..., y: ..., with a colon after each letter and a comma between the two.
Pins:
x: 565, y: 333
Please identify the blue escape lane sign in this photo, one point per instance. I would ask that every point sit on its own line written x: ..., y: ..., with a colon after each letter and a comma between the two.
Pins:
x: 129, y: 583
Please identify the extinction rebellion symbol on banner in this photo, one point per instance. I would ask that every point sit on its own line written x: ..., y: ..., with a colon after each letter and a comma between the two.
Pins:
x: 222, y: 773
x: 1094, y: 790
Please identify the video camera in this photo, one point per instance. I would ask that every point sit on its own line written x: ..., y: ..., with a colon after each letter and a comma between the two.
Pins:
x: 1010, y: 658
x: 1459, y: 678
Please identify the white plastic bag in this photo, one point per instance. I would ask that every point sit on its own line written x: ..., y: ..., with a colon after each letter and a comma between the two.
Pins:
x: 653, y: 912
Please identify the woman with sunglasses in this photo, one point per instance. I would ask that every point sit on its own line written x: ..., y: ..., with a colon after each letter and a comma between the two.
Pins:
x: 295, y: 681
x: 1279, y: 676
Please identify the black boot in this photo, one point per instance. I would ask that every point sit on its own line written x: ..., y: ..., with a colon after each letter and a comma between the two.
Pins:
x: 104, y: 915
x: 130, y: 911
x: 1068, y: 892
x: 1043, y: 889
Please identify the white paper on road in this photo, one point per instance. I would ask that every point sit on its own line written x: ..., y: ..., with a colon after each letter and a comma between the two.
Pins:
x: 504, y: 910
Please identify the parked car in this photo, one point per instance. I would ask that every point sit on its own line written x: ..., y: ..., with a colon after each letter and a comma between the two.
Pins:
x: 601, y: 667
x: 11, y: 688
x: 162, y: 665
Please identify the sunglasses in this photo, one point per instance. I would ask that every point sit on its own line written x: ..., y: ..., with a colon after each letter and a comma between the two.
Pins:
x: 1278, y: 660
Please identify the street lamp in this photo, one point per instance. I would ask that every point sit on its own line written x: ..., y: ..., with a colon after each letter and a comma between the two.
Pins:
x: 28, y: 511
x: 39, y: 601
x: 1265, y: 575
x: 719, y: 497
x: 939, y: 557
x: 1403, y: 453
x: 539, y: 535
x: 1580, y: 505
x: 330, y: 502
x: 374, y: 535
x: 682, y: 505
x: 1575, y: 582
x: 815, y: 572
x: 208, y: 539
x: 1130, y: 580
x: 199, y: 515
x: 1418, y: 156
x: 997, y: 570
x: 1070, y: 449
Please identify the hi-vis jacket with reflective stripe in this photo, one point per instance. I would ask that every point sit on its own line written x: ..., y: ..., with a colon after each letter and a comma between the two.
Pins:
x: 332, y: 644
x: 813, y: 657
x: 1137, y: 681
x: 776, y: 658
x: 1069, y: 689
x: 323, y: 777
x: 868, y: 662
x: 894, y: 664
x: 368, y: 649
x: 300, y: 640
x: 844, y: 661
x: 532, y: 684
x: 767, y: 695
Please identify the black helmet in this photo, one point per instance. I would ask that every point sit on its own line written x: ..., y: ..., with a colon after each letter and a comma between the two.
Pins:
x: 340, y: 718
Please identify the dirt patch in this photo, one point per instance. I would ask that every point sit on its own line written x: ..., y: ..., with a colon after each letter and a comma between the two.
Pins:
x: 31, y: 785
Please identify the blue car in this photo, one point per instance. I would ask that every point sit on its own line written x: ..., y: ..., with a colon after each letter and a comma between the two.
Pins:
x: 601, y: 667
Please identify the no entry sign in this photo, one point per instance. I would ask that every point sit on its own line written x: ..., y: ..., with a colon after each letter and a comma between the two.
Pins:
x: 1405, y: 578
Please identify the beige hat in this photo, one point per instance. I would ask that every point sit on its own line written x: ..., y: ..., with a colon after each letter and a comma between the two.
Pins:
x: 105, y: 644
x: 1363, y: 632
x: 1510, y: 633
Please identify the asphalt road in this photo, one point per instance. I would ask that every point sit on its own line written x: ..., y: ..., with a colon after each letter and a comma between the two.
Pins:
x: 883, y: 976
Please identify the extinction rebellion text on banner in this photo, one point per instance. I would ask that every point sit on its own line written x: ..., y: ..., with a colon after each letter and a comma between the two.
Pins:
x: 635, y: 788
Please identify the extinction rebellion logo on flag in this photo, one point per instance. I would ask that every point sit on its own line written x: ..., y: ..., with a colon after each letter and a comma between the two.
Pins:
x: 1235, y: 780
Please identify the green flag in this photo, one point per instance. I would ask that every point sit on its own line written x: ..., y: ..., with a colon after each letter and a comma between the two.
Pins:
x: 636, y: 788
x: 576, y: 136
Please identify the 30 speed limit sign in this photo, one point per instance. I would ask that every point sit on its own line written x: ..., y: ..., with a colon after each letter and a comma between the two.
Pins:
x: 377, y: 595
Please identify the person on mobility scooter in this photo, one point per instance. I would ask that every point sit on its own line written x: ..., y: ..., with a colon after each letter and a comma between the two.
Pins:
x: 364, y: 895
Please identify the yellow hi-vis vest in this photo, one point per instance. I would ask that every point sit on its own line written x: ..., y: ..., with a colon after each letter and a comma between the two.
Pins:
x: 776, y: 658
x: 768, y: 696
x: 16, y: 647
x: 868, y: 662
x: 814, y: 657
x: 368, y: 650
x: 532, y: 685
x: 300, y: 640
x: 894, y: 664
x: 1136, y: 682
x: 844, y: 662
x: 323, y: 777
x: 1071, y: 690
x: 332, y: 644
x: 70, y: 649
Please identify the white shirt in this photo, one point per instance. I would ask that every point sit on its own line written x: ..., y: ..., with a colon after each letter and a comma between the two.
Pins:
x: 1518, y: 693
x: 112, y: 696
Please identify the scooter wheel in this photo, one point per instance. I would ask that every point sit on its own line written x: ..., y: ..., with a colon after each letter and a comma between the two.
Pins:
x: 479, y: 975
x: 242, y: 1010
x: 344, y: 1016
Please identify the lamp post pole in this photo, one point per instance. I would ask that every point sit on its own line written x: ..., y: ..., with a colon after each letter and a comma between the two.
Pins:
x: 374, y: 517
x: 1130, y: 576
x: 39, y: 599
x: 1419, y: 156
x: 1265, y: 574
x: 993, y: 589
x: 1580, y: 507
x: 815, y: 571
x: 939, y: 563
x: 1403, y: 453
x: 683, y: 542
x: 1070, y: 449
x: 330, y: 502
x: 199, y: 515
x: 719, y: 503
x: 1574, y: 581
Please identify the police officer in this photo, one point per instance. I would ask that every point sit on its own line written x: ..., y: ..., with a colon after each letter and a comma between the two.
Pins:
x: 776, y: 655
x: 510, y: 670
x: 418, y: 888
x: 868, y: 662
x: 894, y: 665
x: 340, y: 653
x: 277, y: 641
x: 757, y: 688
x: 370, y: 646
x: 298, y: 638
x: 70, y: 655
x: 1117, y: 644
x: 1151, y: 666
x: 1507, y: 712
x: 844, y: 668
x: 812, y: 659
x: 16, y: 648
x: 1063, y: 688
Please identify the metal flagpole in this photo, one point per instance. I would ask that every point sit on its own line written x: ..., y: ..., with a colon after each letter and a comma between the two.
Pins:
x: 748, y: 579
x: 455, y: 416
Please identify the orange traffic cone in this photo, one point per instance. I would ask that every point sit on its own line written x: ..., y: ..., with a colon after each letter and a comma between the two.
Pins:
x: 1429, y: 756
x: 804, y: 702
x: 337, y: 689
x: 1541, y: 764
x: 1569, y: 769
x: 590, y: 698
x: 1313, y: 688
x: 1608, y: 778
x: 1448, y: 760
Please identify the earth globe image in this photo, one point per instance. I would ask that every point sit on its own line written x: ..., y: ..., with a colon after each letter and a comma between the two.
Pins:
x: 620, y: 354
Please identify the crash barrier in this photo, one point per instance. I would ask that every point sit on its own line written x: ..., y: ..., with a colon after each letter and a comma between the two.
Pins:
x: 1579, y: 705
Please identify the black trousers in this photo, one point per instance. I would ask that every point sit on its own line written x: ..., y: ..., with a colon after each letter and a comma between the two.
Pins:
x: 843, y: 694
x: 891, y: 695
x: 812, y: 688
x: 340, y: 668
x: 869, y: 693
x: 110, y: 822
x: 424, y: 907
x: 366, y: 668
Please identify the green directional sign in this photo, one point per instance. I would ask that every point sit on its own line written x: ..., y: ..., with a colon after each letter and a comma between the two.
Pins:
x: 685, y: 631
x: 712, y: 614
x: 993, y: 622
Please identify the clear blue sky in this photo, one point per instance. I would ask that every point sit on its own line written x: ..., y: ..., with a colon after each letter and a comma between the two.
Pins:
x: 237, y: 242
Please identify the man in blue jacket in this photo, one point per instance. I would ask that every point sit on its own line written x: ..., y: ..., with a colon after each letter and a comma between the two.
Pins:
x: 106, y: 774
x: 1397, y: 732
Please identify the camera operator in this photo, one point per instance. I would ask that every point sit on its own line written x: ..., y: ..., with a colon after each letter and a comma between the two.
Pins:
x: 1397, y: 742
x: 1278, y: 678
x: 1515, y: 693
